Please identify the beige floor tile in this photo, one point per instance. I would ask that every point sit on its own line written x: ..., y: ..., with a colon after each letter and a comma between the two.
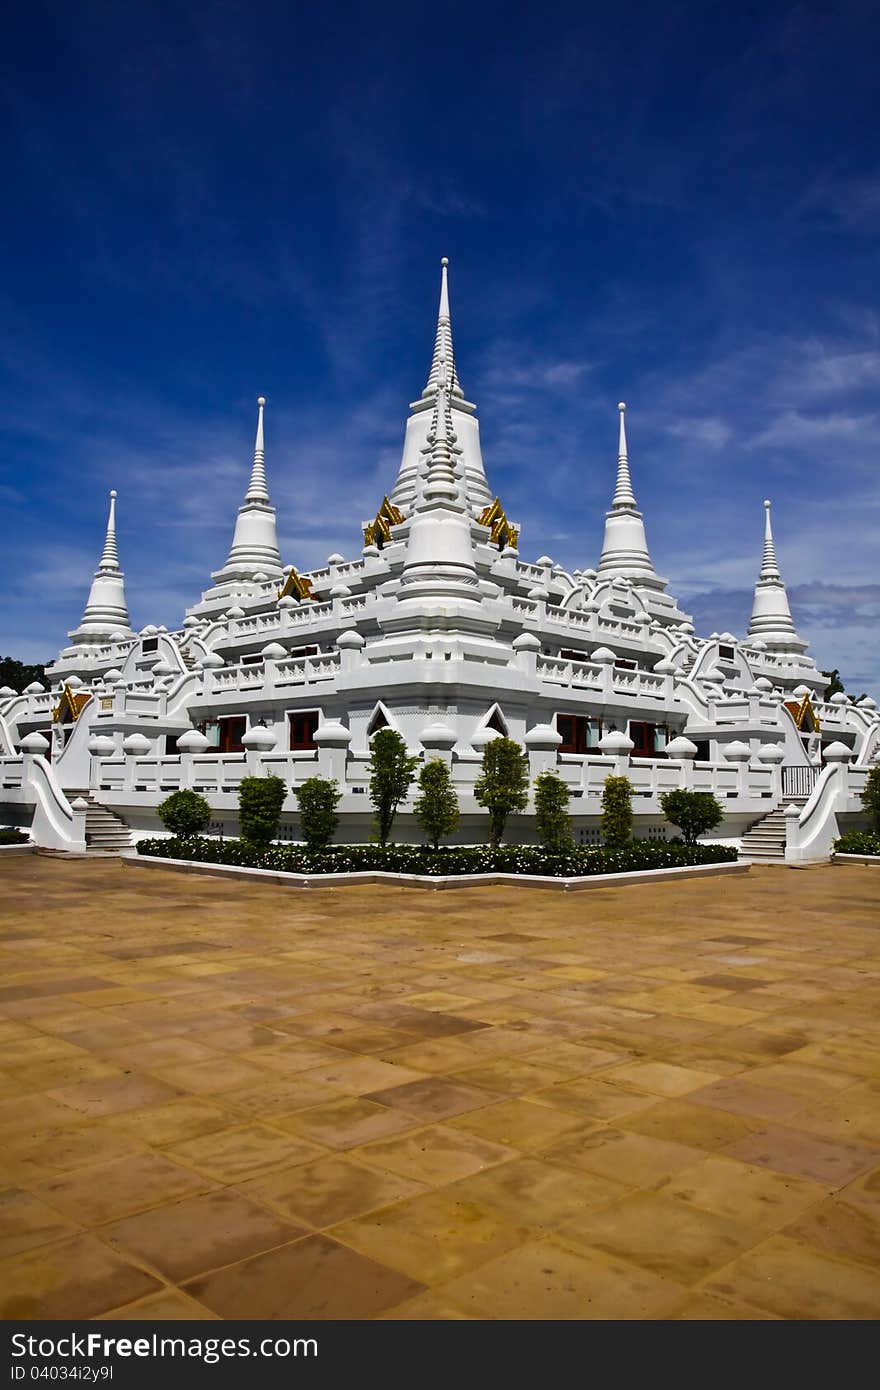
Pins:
x: 242, y: 1151
x: 433, y: 1237
x: 683, y: 1123
x: 168, y: 1306
x: 436, y: 1155
x: 26, y: 1222
x: 593, y: 1099
x: 757, y: 1196
x: 115, y: 1094
x: 110, y: 1190
x: 330, y: 1189
x: 805, y: 1155
x: 659, y: 1078
x: 186, y: 1238
x: 636, y: 1160
x: 546, y: 1280
x: 169, y: 1123
x: 76, y: 1278
x: 544, y: 1195
x: 522, y: 1124
x: 794, y: 1280
x: 346, y: 1123
x: 312, y: 1278
x: 672, y: 1238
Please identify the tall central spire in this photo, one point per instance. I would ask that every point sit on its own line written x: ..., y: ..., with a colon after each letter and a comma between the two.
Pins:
x: 254, y: 548
x: 443, y: 371
x: 464, y: 438
x: 769, y: 566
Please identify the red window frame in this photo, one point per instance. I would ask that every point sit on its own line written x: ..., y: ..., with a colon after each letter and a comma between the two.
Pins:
x: 302, y: 725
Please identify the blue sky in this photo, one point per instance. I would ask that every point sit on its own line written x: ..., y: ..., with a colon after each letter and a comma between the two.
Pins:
x: 674, y: 205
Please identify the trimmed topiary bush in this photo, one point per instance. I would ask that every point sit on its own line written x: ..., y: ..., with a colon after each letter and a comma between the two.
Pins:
x: 391, y: 774
x: 617, y: 812
x: 419, y: 859
x: 552, y: 821
x: 318, y: 798
x: 871, y: 796
x: 693, y: 812
x: 184, y: 814
x: 503, y: 784
x: 260, y: 800
x: 858, y: 842
x: 436, y: 808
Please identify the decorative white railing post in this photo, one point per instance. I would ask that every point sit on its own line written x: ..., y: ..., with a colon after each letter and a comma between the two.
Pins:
x: 438, y: 741
x: 99, y: 746
x: 526, y: 646
x: 542, y: 743
x: 333, y: 739
x: 604, y: 657
x: 774, y: 755
x: 188, y: 745
x: 349, y: 645
x: 134, y: 746
x: 739, y: 754
x: 618, y: 747
x: 682, y: 751
x: 256, y: 742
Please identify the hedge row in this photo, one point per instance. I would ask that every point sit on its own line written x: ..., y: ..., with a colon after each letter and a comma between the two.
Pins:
x: 858, y: 842
x: 416, y: 859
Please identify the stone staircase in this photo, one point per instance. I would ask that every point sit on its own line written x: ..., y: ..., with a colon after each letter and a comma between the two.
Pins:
x: 764, y: 842
x: 106, y: 832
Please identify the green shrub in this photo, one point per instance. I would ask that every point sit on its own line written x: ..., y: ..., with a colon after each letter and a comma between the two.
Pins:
x: 552, y: 821
x: 436, y: 809
x: 858, y: 842
x: 260, y: 800
x: 871, y: 796
x: 503, y: 784
x: 577, y: 861
x: 10, y: 836
x: 318, y: 799
x: 391, y: 774
x: 184, y: 814
x: 693, y: 812
x: 617, y: 812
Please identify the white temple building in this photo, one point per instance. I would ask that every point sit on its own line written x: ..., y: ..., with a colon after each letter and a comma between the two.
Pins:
x: 439, y: 628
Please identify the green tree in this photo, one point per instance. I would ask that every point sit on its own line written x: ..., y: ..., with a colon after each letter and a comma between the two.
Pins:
x: 617, y: 812
x: 184, y: 814
x: 318, y: 798
x: 503, y: 784
x: 836, y: 687
x: 18, y: 674
x: 260, y: 800
x: 391, y: 774
x: 552, y: 821
x: 871, y: 796
x: 693, y: 812
x: 436, y: 809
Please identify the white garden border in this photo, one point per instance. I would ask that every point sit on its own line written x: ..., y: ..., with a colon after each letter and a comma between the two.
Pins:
x: 342, y: 880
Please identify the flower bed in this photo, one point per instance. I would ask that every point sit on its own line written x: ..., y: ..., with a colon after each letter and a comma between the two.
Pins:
x: 858, y: 842
x: 417, y: 859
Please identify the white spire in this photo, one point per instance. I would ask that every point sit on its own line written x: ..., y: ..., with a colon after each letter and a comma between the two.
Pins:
x: 258, y: 491
x: 443, y: 371
x: 769, y: 567
x: 771, y: 615
x: 625, y: 547
x: 623, y: 493
x: 254, y: 548
x: 421, y: 426
x: 110, y: 555
x: 440, y: 549
x: 106, y: 610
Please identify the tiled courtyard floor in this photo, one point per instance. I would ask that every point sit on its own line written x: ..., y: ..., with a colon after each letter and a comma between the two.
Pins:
x: 220, y: 1100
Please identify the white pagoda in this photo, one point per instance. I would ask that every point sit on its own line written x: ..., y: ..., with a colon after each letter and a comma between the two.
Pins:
x: 438, y: 628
